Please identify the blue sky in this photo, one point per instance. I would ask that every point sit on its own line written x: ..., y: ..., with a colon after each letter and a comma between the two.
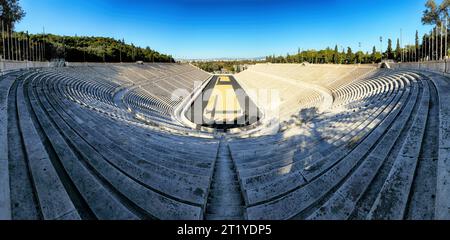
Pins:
x: 230, y: 28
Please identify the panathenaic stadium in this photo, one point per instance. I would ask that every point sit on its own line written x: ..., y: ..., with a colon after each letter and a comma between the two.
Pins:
x: 276, y: 141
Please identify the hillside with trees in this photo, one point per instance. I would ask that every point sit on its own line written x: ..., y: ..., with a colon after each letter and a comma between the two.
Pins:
x: 97, y: 49
x: 329, y: 56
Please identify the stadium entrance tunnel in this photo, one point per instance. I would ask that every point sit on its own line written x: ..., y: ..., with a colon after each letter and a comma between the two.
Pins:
x: 223, y: 105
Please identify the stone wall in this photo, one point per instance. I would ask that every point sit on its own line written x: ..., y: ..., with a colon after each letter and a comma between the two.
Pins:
x: 432, y: 66
x: 8, y: 65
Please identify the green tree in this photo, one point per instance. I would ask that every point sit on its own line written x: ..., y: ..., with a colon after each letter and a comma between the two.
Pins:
x: 359, y: 56
x: 324, y: 56
x: 373, y: 55
x: 11, y: 12
x: 424, y: 46
x: 398, y: 51
x: 434, y: 14
x: 336, y: 55
x: 389, y: 53
x: 349, y: 56
x: 431, y: 13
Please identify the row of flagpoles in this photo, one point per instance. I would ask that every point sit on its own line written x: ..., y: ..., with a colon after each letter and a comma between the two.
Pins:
x: 19, y: 47
x: 434, y: 46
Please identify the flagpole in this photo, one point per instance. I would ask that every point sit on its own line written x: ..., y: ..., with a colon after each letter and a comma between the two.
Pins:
x: 9, y: 43
x: 432, y: 45
x: 401, y: 45
x: 429, y: 46
x: 442, y: 42
x: 15, y: 46
x: 421, y: 49
x: 40, y: 50
x: 30, y: 48
x: 13, y: 37
x: 3, y: 41
x: 437, y: 44
x: 27, y: 46
x: 446, y: 38
x: 13, y: 40
x: 19, y: 48
x: 33, y: 45
x: 44, y: 37
x: 24, y: 47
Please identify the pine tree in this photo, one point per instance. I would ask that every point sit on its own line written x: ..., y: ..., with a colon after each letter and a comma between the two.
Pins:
x: 336, y: 55
x: 11, y: 12
x: 398, y: 51
x: 417, y: 45
x: 349, y: 55
x: 389, y: 49
x: 374, y: 54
